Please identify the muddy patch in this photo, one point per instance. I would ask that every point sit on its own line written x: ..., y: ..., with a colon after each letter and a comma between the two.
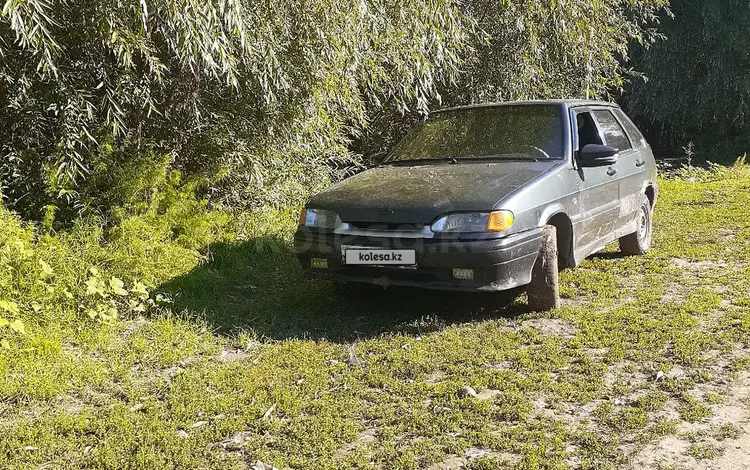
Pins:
x: 365, y: 437
x: 487, y: 394
x: 727, y: 430
x: 674, y: 293
x: 232, y: 355
x: 726, y: 234
x: 454, y: 462
x: 435, y: 377
x: 696, y: 265
x: 237, y: 441
x: 669, y: 451
x: 551, y: 326
x: 504, y: 365
x: 627, y: 373
x: 736, y: 454
x: 597, y: 354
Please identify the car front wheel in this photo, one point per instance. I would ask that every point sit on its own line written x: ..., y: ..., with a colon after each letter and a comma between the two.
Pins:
x: 638, y: 242
x: 543, y: 291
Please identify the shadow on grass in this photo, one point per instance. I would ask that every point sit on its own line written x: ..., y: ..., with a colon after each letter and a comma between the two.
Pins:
x: 611, y: 255
x: 258, y: 285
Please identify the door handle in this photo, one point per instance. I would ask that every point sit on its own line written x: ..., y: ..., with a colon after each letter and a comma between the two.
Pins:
x: 640, y: 163
x: 611, y: 172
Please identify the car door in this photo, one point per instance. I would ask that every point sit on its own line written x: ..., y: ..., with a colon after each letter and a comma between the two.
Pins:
x: 599, y: 189
x: 635, y: 167
x: 630, y: 166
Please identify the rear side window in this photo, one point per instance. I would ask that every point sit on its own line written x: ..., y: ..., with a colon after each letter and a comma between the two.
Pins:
x: 635, y: 135
x: 613, y: 132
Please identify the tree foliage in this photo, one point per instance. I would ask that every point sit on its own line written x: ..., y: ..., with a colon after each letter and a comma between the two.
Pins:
x: 555, y: 48
x: 266, y: 96
x: 538, y: 49
x: 209, y: 81
x: 697, y: 85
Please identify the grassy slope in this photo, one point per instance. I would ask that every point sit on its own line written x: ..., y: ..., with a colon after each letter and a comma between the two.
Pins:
x: 247, y: 360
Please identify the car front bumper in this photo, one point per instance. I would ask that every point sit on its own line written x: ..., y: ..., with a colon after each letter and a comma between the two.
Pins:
x: 498, y: 264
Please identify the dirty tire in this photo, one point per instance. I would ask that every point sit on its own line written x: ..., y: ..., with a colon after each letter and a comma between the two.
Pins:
x: 638, y: 242
x: 543, y: 291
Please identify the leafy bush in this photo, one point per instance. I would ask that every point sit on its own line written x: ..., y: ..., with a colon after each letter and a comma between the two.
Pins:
x: 101, y: 269
x: 712, y: 171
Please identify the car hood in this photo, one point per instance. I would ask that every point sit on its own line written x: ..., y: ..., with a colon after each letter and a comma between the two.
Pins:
x: 421, y: 193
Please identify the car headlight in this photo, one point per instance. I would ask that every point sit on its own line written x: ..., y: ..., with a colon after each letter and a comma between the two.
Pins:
x: 474, y: 222
x: 319, y: 218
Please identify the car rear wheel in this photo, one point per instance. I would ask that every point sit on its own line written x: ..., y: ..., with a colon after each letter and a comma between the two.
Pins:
x: 639, y: 242
x: 543, y: 291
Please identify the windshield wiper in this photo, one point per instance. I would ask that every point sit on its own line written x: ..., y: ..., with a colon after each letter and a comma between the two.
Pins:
x: 504, y: 157
x: 454, y: 160
x: 422, y: 161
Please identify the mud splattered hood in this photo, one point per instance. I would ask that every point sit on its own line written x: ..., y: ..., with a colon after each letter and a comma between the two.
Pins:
x: 419, y: 194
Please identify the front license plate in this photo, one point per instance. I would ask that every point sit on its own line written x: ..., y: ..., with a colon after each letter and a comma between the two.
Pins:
x: 379, y: 257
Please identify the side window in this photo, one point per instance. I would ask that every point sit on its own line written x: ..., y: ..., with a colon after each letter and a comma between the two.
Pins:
x: 588, y: 133
x: 635, y: 135
x: 613, y: 132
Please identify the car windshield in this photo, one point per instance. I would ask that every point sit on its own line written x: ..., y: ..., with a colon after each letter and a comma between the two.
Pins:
x: 501, y: 132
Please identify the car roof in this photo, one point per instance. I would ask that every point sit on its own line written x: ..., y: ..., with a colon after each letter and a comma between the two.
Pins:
x: 571, y: 103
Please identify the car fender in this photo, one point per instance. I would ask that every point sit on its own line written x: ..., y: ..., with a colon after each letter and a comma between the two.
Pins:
x: 565, y: 232
x: 550, y: 211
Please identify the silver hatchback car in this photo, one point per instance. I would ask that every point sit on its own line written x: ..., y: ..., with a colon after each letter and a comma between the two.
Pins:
x: 488, y: 198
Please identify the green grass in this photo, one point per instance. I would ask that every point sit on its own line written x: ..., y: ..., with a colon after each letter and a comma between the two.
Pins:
x: 242, y: 358
x: 705, y: 451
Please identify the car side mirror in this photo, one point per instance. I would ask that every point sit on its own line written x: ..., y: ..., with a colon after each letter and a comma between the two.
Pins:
x: 597, y: 155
